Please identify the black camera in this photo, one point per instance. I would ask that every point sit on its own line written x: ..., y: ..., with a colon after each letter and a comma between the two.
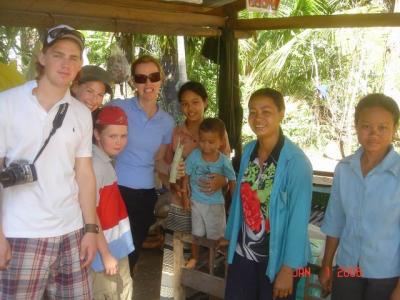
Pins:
x: 18, y: 172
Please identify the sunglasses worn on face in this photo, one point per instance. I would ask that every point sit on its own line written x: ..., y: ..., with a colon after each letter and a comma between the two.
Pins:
x: 59, y: 33
x: 153, y: 77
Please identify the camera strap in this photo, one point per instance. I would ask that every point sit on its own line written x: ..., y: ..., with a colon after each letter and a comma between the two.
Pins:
x: 57, y: 122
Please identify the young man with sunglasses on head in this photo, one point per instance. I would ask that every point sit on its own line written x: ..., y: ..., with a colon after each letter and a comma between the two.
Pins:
x: 48, y: 226
x: 149, y: 134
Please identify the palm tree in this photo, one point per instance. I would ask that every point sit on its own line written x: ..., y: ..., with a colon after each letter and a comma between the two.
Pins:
x: 329, y: 69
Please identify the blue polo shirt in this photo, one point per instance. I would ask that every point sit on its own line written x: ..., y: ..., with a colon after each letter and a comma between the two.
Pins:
x: 135, y: 164
x: 364, y: 213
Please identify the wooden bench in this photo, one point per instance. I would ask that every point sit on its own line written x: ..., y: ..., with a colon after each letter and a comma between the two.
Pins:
x: 204, y: 282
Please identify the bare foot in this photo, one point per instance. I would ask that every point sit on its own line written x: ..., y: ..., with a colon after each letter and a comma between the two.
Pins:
x: 191, y: 264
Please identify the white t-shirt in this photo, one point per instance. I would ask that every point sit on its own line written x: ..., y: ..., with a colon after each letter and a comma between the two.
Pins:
x: 49, y: 206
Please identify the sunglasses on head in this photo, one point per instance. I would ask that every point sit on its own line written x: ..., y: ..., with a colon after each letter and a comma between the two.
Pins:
x: 141, y: 78
x: 58, y: 33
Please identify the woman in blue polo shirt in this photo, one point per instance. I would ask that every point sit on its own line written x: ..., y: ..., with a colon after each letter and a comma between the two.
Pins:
x: 362, y: 220
x: 149, y: 133
x: 268, y: 220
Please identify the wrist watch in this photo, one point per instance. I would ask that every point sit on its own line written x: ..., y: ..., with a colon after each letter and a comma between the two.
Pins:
x: 93, y: 228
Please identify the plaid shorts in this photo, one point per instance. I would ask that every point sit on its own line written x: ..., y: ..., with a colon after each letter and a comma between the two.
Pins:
x: 45, y: 268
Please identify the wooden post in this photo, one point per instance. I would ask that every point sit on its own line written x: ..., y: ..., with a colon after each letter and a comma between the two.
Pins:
x: 179, y: 261
x: 230, y: 108
x: 211, y: 260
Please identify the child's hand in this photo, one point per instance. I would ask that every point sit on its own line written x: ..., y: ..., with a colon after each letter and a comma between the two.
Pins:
x: 212, y: 184
x: 110, y: 264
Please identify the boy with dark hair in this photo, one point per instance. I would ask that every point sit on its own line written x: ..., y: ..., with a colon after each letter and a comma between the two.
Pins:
x: 208, y: 211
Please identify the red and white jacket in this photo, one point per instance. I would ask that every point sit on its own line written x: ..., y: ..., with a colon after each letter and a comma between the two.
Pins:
x: 111, y: 210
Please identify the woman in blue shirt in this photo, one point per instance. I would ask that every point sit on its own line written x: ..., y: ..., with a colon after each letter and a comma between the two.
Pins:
x: 362, y: 220
x: 268, y: 220
x: 149, y: 134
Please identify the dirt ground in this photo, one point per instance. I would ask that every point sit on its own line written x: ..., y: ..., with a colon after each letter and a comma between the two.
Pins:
x: 146, y: 281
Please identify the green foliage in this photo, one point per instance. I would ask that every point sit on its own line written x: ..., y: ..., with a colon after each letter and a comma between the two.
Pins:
x: 7, y: 41
x: 323, y: 72
x: 17, y: 43
x: 202, y: 70
x: 98, y: 46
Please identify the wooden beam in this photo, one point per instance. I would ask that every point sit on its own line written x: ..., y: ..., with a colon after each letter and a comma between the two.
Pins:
x: 162, y: 6
x: 331, y: 21
x: 152, y: 5
x: 201, y: 241
x: 203, y: 282
x: 227, y: 9
x: 238, y: 5
x: 240, y: 34
x: 84, y: 9
x: 37, y: 19
x: 217, y: 3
